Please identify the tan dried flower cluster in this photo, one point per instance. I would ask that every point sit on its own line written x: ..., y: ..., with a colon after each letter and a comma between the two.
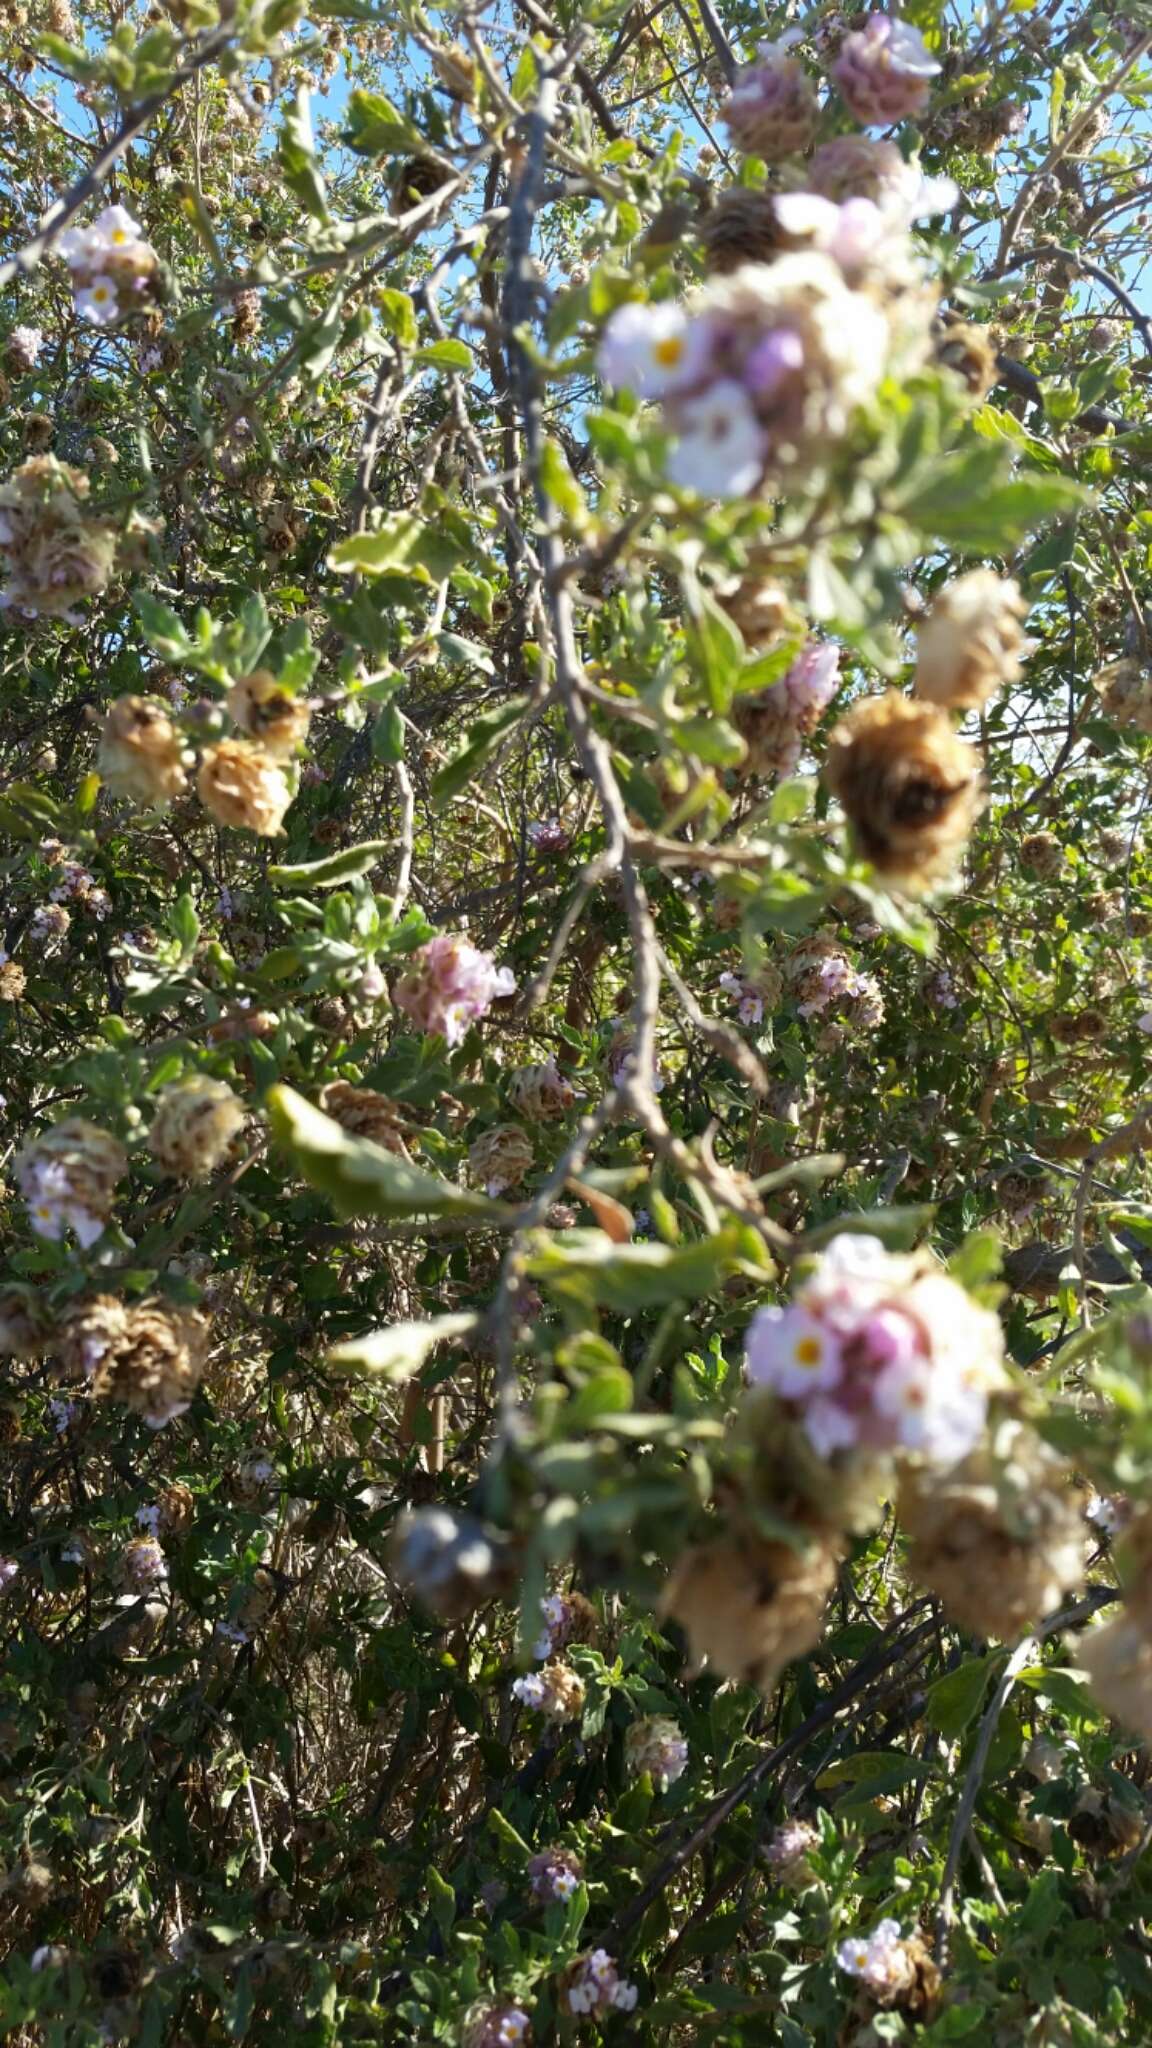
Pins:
x: 748, y: 1607
x: 500, y: 1158
x: 68, y: 1176
x: 147, y: 1355
x: 366, y: 1113
x: 1117, y: 1655
x: 971, y: 644
x: 240, y: 784
x: 269, y: 713
x: 24, y: 1323
x: 541, y: 1092
x: 141, y: 756
x: 912, y: 789
x: 1125, y: 690
x: 54, y: 552
x: 195, y: 1121
x: 1000, y: 1538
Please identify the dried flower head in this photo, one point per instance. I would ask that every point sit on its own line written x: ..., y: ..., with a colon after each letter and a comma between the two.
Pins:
x: 771, y: 111
x: 657, y: 1746
x: 13, y: 981
x: 541, y: 1092
x: 141, y: 757
x: 1125, y: 689
x: 497, y: 2026
x: 240, y: 784
x: 142, y: 1564
x: 25, y: 1322
x: 365, y: 1113
x: 912, y: 789
x: 1043, y: 855
x: 1117, y: 1655
x: 740, y: 228
x: 999, y: 1539
x: 500, y: 1158
x: 195, y: 1122
x: 448, y: 984
x: 971, y: 643
x: 53, y: 552
x: 970, y: 353
x: 567, y: 1618
x: 147, y: 1355
x: 269, y: 714
x: 68, y: 1177
x: 749, y: 1607
x: 892, y: 1969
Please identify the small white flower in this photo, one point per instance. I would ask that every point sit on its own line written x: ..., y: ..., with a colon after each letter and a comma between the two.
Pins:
x: 99, y: 302
x: 721, y: 447
x: 652, y: 350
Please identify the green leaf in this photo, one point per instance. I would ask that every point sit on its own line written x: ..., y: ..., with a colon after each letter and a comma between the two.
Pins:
x: 585, y: 1266
x: 465, y: 653
x: 404, y: 545
x: 710, y: 739
x: 558, y: 482
x: 398, y: 1352
x: 484, y: 736
x: 296, y: 152
x: 713, y: 644
x: 377, y: 128
x: 163, y: 629
x: 360, y: 1178
x: 336, y: 867
x: 445, y: 355
x: 971, y: 502
x: 608, y: 1392
x: 388, y: 733
x: 398, y: 315
x: 956, y: 1699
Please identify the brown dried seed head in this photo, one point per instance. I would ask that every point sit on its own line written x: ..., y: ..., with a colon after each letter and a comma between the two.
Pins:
x: 912, y: 789
x: 749, y: 1607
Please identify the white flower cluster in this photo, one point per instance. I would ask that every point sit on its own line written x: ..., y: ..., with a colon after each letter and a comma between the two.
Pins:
x: 597, y: 1988
x: 882, y: 1963
x: 112, y: 265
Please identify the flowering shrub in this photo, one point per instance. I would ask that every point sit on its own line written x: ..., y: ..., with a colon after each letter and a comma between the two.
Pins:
x: 575, y: 1323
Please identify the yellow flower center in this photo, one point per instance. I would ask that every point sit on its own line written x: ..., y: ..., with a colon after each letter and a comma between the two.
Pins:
x: 808, y: 1351
x: 668, y: 351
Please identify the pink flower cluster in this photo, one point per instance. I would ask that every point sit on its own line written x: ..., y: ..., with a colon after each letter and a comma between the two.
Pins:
x: 765, y: 367
x: 884, y: 72
x: 881, y: 1352
x: 555, y: 1874
x: 771, y: 111
x: 449, y: 984
x: 776, y: 722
